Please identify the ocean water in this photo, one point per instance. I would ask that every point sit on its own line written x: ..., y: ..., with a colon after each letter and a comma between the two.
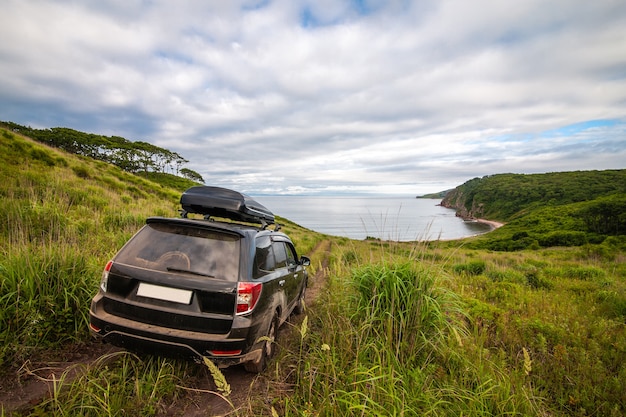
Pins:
x: 387, y: 218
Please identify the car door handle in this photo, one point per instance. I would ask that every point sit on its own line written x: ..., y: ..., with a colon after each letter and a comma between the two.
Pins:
x: 281, y: 282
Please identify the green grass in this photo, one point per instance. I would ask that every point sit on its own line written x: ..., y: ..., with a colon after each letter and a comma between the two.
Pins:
x: 391, y: 338
x: 441, y: 329
x: 60, y: 226
x: 43, y: 299
x: 119, y: 384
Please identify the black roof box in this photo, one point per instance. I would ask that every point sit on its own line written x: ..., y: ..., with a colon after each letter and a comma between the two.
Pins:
x: 222, y: 202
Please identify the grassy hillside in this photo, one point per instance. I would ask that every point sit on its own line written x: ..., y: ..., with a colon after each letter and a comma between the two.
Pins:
x: 398, y: 328
x: 64, y: 216
x: 506, y: 196
x: 543, y: 210
x: 133, y: 157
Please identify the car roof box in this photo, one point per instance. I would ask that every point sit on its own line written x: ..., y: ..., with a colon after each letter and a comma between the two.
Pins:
x: 222, y: 202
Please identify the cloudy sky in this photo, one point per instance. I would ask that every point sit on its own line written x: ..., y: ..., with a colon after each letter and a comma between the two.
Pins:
x: 328, y: 96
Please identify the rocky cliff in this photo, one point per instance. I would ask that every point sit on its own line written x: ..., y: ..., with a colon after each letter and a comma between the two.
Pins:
x: 462, y: 200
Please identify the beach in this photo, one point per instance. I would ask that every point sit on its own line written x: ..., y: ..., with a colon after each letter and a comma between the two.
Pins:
x: 491, y: 223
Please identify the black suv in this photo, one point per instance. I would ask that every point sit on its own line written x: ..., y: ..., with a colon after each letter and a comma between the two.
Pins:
x: 203, y: 287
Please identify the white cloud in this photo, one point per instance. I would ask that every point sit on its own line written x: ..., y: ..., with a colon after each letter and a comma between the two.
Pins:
x: 328, y: 95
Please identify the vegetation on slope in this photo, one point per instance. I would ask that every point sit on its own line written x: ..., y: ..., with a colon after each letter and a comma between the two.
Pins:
x: 135, y: 157
x: 439, y: 195
x: 63, y: 217
x: 543, y: 210
x: 400, y: 329
x: 505, y: 196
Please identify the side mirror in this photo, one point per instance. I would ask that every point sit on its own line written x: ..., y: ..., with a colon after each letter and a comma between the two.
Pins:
x: 305, y: 261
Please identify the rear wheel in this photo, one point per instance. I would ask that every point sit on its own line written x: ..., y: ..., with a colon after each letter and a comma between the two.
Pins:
x: 268, y: 348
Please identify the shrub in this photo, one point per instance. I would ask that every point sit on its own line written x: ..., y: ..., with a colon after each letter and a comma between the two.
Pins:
x: 503, y: 292
x: 536, y: 280
x: 350, y: 257
x: 612, y: 303
x: 563, y: 238
x: 507, y: 275
x: 43, y: 156
x: 533, y: 273
x: 81, y: 171
x: 546, y: 334
x: 508, y: 245
x: 471, y: 268
x: 584, y: 273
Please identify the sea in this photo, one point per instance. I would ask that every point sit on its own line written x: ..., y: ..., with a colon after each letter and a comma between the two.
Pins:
x: 382, y: 217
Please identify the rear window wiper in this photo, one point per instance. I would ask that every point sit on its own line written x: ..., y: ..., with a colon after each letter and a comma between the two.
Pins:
x: 187, y: 271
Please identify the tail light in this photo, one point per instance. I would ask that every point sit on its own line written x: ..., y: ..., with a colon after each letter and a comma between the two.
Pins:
x: 248, y: 294
x: 105, y: 276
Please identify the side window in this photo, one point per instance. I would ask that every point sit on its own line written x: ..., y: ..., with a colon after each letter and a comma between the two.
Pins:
x: 291, y: 254
x: 281, y: 254
x: 264, y: 261
x: 272, y: 255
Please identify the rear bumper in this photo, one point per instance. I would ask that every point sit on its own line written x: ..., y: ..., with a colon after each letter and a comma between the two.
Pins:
x: 172, y: 349
x: 148, y: 338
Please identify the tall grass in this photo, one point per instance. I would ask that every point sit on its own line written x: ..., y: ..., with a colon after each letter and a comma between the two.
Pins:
x: 43, y: 299
x: 393, y: 341
x: 560, y: 307
x: 430, y: 331
x: 119, y: 384
x: 60, y: 223
x: 404, y: 307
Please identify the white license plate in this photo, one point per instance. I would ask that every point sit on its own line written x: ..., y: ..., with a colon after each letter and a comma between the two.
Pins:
x: 164, y: 293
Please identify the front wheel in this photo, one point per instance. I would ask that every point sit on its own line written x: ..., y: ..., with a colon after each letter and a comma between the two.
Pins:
x: 268, y: 348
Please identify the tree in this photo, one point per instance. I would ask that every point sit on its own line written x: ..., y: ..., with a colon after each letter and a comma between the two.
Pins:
x: 606, y: 215
x: 192, y: 175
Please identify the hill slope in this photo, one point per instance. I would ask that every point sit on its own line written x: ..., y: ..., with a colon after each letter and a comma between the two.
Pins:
x: 504, y: 196
x: 63, y: 217
x: 563, y: 208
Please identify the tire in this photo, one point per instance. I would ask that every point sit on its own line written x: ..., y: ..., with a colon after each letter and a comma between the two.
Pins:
x: 269, y: 348
x: 299, y: 308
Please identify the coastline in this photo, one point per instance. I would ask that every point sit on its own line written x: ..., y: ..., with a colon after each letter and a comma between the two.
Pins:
x: 391, y: 218
x: 493, y: 225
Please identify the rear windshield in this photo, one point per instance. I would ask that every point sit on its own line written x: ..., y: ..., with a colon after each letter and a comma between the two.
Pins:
x: 178, y: 248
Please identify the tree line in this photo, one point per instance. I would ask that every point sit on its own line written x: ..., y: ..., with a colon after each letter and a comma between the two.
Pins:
x: 134, y: 157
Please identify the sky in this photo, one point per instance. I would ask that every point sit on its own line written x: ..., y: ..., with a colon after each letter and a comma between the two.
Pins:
x: 328, y: 96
